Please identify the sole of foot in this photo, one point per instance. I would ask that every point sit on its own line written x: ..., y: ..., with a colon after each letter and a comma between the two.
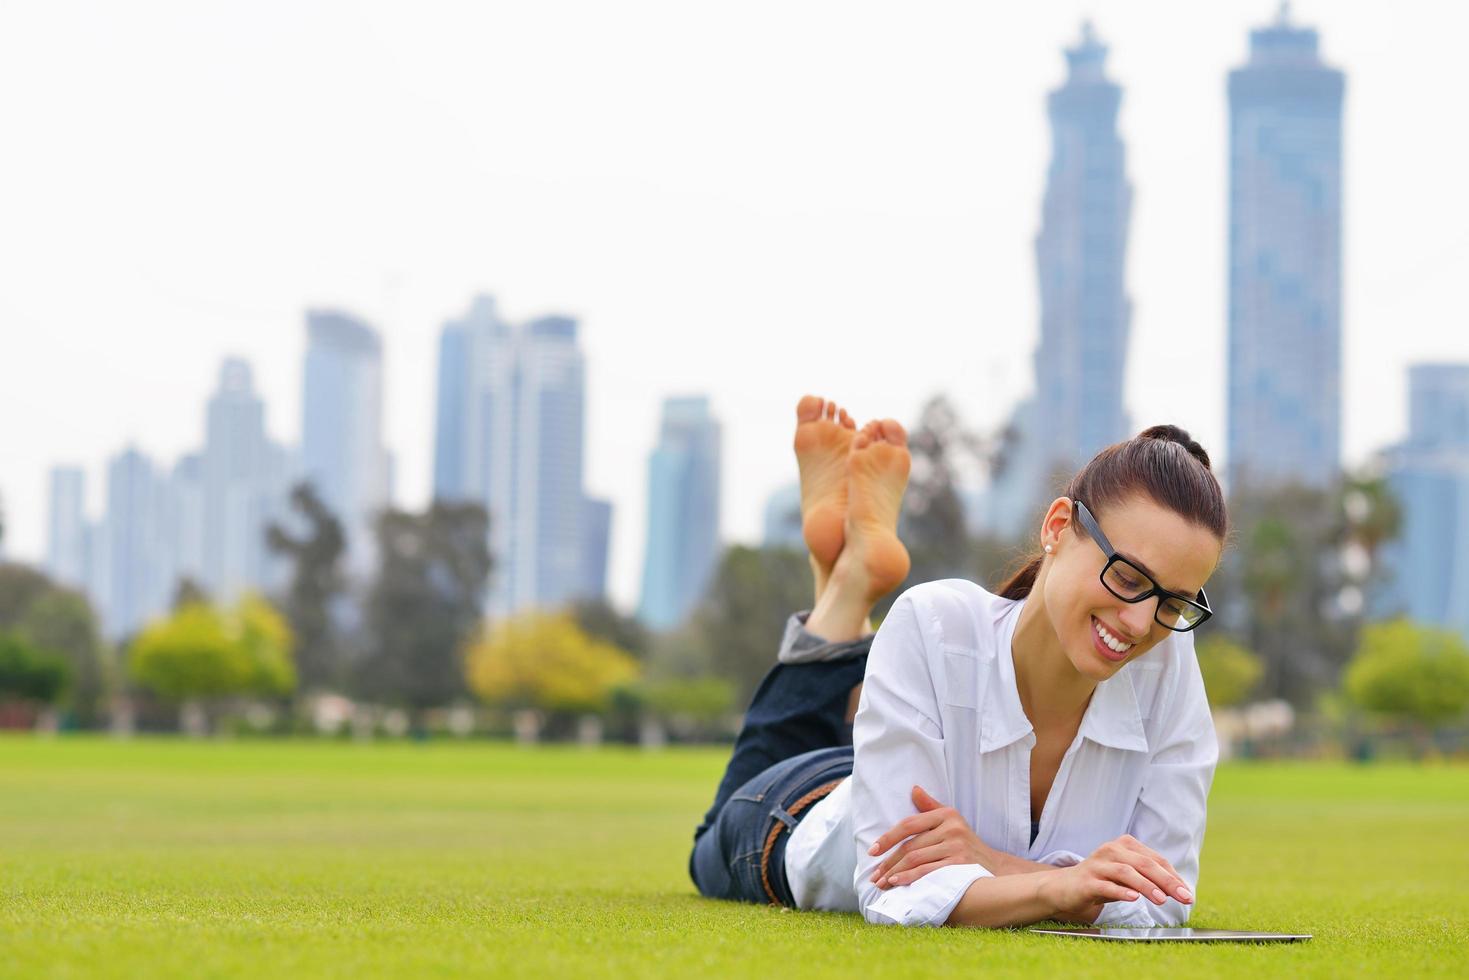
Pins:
x: 824, y: 437
x: 877, y: 475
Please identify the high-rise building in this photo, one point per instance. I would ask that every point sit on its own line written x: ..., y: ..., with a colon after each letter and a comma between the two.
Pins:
x: 1085, y: 312
x: 781, y: 524
x: 683, y: 512
x: 596, y: 528
x: 66, y: 530
x: 139, y: 573
x: 1428, y: 473
x: 509, y: 436
x: 1285, y: 156
x: 245, y: 481
x: 342, y: 452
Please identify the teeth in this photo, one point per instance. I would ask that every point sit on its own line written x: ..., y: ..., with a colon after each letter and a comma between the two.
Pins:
x: 1114, y: 644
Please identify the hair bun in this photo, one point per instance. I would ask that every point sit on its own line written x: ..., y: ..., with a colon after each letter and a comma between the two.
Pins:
x: 1172, y: 433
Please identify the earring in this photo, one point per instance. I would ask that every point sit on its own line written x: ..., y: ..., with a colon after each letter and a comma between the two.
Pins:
x: 1048, y: 549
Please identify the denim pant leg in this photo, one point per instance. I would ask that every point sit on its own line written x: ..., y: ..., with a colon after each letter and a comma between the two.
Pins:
x: 798, y: 708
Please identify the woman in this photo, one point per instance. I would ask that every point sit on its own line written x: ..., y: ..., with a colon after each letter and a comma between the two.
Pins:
x: 997, y: 738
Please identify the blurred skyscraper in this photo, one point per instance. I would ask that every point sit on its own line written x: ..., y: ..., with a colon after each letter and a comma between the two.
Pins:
x: 1428, y: 564
x: 1085, y: 313
x: 1285, y: 109
x: 596, y: 525
x: 245, y: 483
x: 342, y: 451
x: 782, y: 519
x: 509, y: 435
x: 683, y: 512
x: 139, y: 568
x: 66, y: 531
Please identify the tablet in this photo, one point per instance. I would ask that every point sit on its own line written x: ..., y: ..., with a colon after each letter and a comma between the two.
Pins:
x: 1183, y: 935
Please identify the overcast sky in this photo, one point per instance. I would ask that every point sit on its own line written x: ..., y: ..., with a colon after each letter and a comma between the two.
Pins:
x: 751, y: 200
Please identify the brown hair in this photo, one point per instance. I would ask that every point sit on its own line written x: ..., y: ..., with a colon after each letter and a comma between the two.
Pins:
x: 1161, y: 462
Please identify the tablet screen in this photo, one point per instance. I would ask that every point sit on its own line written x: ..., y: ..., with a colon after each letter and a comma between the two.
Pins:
x: 1179, y: 935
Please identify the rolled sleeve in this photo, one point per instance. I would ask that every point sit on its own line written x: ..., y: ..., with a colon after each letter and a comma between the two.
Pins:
x: 927, y: 902
x: 898, y: 744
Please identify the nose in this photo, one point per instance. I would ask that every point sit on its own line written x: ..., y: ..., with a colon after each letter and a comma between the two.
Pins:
x: 1137, y: 618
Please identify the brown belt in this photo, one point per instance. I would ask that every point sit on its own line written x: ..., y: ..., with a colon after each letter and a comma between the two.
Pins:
x: 795, y: 808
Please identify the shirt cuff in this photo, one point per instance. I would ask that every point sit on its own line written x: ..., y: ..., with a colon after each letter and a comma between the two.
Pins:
x: 929, y: 900
x: 1141, y: 912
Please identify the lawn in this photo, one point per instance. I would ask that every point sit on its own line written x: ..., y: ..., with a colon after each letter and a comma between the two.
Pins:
x: 177, y: 858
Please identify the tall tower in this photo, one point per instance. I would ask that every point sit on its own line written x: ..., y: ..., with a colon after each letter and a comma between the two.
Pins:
x: 1285, y: 118
x: 683, y: 512
x: 508, y: 435
x: 66, y: 531
x: 244, y: 479
x: 1085, y: 313
x: 1429, y: 475
x: 341, y: 427
x: 139, y: 575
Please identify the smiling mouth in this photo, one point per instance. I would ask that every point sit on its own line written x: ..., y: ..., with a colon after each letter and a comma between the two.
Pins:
x: 1108, y: 643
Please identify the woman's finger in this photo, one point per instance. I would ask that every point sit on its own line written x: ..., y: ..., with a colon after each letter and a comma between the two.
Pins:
x: 900, y: 856
x: 1157, y: 869
x: 1127, y: 875
x: 911, y: 875
x: 905, y: 828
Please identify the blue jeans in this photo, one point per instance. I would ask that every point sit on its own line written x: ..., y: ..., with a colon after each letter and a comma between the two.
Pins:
x: 796, y: 744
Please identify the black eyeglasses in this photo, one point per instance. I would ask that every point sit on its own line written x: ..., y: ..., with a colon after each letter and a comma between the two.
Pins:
x: 1131, y: 584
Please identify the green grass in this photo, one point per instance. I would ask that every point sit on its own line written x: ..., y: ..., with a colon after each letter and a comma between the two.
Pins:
x: 171, y: 858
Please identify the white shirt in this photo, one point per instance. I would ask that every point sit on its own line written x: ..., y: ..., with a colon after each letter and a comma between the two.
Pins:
x: 940, y: 709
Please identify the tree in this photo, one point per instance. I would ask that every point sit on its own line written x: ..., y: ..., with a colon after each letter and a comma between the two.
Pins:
x: 29, y: 674
x: 1230, y: 671
x: 598, y: 619
x: 1410, y: 672
x: 1280, y: 592
x: 317, y: 586
x: 60, y: 620
x: 736, y: 628
x: 545, y: 661
x: 424, y: 604
x: 200, y: 654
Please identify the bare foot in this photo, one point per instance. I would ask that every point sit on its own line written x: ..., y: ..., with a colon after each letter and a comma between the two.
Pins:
x: 876, y: 478
x: 873, y: 561
x: 824, y: 434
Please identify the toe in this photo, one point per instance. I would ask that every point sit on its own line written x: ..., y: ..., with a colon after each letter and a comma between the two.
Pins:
x: 893, y: 432
x: 809, y: 408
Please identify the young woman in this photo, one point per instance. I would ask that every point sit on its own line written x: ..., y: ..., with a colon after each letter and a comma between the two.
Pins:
x: 997, y: 738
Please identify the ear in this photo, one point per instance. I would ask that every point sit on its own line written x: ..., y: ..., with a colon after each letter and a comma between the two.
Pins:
x: 1057, y: 519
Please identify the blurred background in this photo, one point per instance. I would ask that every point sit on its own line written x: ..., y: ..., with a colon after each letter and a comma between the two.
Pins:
x: 372, y: 370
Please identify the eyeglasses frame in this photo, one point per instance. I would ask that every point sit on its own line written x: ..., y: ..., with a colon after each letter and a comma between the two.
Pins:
x: 1094, y: 530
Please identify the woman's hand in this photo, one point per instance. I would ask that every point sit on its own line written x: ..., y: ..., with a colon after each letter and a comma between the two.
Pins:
x: 936, y: 836
x: 1118, y: 871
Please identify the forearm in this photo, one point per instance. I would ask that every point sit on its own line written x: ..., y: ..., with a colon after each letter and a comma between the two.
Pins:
x: 998, y: 903
x: 1002, y: 863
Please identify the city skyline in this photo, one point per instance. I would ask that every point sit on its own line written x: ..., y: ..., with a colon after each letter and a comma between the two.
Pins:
x: 705, y: 297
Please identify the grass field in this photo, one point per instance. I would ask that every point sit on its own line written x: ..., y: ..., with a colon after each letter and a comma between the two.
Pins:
x: 176, y: 858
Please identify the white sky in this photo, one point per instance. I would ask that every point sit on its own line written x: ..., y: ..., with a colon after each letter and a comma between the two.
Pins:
x: 751, y: 200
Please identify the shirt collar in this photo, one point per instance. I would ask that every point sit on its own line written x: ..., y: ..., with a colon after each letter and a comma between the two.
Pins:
x: 1112, y: 717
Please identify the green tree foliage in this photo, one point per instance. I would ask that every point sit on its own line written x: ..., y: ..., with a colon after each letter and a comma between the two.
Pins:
x: 50, y: 617
x: 598, y: 619
x: 1410, y: 672
x: 201, y: 652
x: 1281, y: 588
x: 29, y: 674
x: 316, y: 588
x: 1230, y: 671
x: 736, y: 629
x: 424, y: 604
x: 546, y: 661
